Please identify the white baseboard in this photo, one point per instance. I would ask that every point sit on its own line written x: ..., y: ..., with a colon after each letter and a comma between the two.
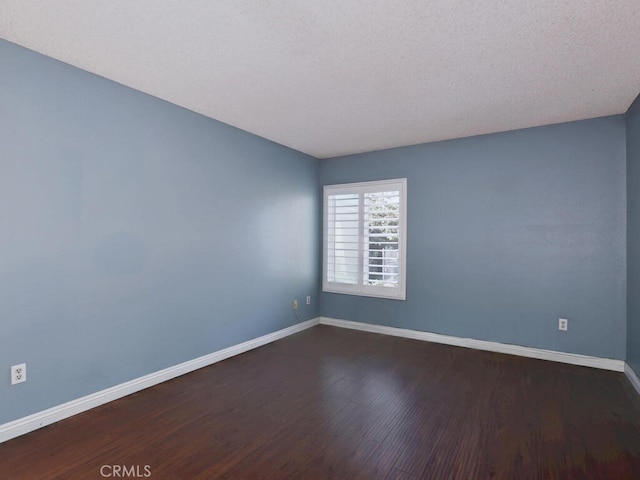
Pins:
x: 47, y: 417
x: 562, y: 357
x: 632, y: 376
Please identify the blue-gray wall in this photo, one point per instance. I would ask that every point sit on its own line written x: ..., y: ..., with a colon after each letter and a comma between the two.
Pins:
x: 633, y: 236
x: 507, y: 233
x: 135, y: 235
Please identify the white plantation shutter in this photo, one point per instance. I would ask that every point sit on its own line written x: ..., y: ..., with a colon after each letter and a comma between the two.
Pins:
x: 381, y: 238
x: 343, y: 238
x: 365, y: 238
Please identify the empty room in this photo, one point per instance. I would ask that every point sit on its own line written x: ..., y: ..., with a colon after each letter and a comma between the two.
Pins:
x: 252, y: 240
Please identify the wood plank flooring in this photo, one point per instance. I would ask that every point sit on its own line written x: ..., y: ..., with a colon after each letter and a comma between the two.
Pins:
x: 330, y: 403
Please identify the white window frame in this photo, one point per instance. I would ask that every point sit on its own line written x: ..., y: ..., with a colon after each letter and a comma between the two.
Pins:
x: 398, y: 292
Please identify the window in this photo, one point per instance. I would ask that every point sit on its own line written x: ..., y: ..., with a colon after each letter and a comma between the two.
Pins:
x: 364, y: 251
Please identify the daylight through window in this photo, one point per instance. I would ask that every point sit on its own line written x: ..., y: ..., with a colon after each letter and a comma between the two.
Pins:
x: 365, y: 238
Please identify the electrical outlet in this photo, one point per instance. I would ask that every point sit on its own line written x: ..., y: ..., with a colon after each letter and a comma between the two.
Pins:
x: 563, y: 324
x: 308, y: 300
x: 19, y: 373
x: 295, y: 304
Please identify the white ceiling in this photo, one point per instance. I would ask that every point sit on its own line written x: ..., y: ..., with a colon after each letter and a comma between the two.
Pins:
x: 332, y: 77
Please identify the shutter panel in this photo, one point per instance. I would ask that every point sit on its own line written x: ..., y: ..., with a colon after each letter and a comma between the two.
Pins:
x: 343, y: 238
x: 381, y: 238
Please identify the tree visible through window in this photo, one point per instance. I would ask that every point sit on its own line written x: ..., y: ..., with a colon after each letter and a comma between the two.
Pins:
x: 381, y: 223
x: 365, y: 238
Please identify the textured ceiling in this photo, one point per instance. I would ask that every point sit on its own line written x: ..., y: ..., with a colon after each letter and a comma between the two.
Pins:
x: 330, y: 77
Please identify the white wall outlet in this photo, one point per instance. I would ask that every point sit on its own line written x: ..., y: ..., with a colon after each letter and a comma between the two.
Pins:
x: 19, y: 373
x: 309, y: 300
x: 563, y: 324
x: 295, y: 304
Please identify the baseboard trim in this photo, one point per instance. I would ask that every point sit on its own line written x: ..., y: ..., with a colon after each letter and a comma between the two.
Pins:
x: 41, y: 419
x: 562, y: 357
x: 632, y: 376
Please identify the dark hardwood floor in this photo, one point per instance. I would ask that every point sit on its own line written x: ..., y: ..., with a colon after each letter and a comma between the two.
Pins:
x: 330, y: 403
